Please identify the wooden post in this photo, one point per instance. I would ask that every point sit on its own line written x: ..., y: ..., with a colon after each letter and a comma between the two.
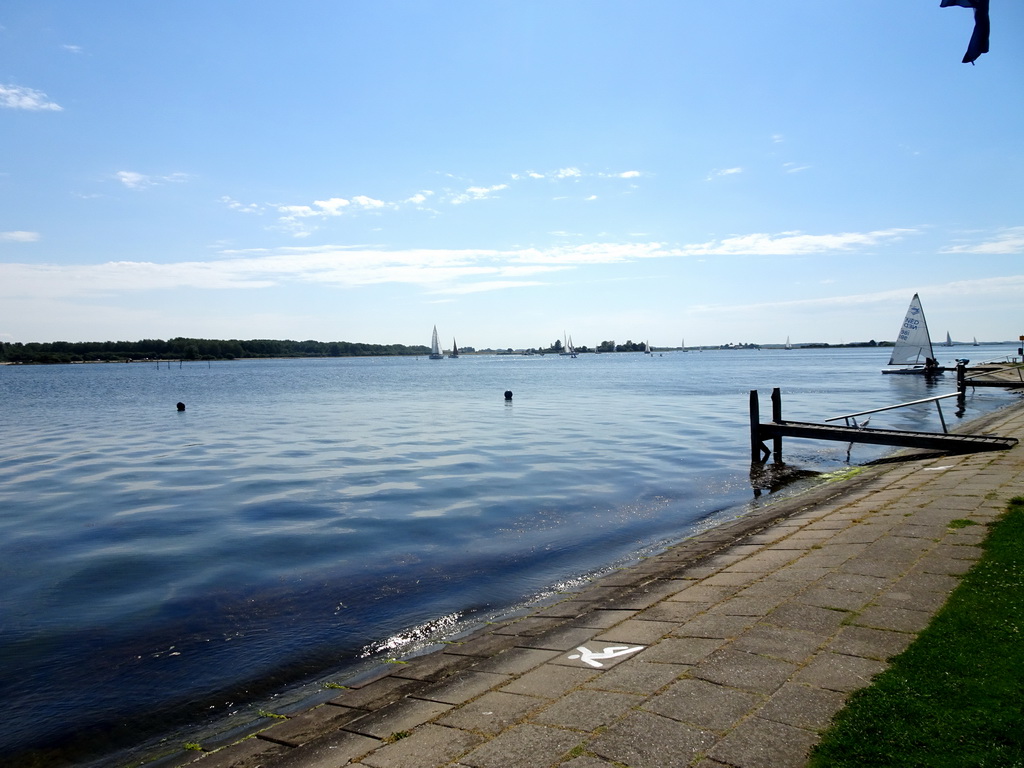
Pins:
x: 755, y: 430
x: 961, y: 387
x: 759, y: 453
x: 777, y: 417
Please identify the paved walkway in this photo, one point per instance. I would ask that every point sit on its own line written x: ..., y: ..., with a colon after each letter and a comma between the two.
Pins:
x: 733, y: 649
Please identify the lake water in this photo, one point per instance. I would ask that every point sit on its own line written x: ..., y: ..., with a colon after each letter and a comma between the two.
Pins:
x: 165, y: 573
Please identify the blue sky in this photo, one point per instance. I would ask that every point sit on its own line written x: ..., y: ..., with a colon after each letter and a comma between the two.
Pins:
x: 729, y: 172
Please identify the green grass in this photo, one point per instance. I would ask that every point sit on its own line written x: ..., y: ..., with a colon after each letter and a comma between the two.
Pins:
x: 955, y: 697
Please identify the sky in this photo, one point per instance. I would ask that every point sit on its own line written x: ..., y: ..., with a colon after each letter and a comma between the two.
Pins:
x: 512, y: 172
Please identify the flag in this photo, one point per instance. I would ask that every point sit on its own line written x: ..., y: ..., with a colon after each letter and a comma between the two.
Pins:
x: 979, y: 38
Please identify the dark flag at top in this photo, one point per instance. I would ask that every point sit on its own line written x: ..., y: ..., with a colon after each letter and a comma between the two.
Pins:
x: 979, y: 38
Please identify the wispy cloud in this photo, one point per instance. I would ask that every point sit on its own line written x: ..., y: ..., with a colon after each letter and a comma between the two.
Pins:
x: 303, y: 219
x: 434, y: 270
x: 794, y: 243
x: 476, y: 193
x: 794, y: 168
x: 134, y: 180
x: 72, y: 48
x: 1008, y: 241
x: 18, y: 97
x: 719, y: 172
x: 993, y: 288
x: 19, y: 236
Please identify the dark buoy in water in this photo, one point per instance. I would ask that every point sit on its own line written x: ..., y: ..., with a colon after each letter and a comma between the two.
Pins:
x: 181, y: 406
x: 508, y: 394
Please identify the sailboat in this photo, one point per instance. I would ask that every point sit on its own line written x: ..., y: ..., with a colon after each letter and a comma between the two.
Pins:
x: 949, y: 341
x: 788, y: 345
x: 975, y: 341
x: 435, y: 347
x: 455, y: 348
x: 913, y: 347
x: 647, y: 347
x: 568, y: 350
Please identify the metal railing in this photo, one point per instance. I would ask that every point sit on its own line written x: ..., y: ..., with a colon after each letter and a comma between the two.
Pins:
x: 1018, y: 369
x: 935, y: 400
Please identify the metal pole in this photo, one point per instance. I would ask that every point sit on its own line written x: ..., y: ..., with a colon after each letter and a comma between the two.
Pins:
x: 776, y: 418
x: 939, y: 409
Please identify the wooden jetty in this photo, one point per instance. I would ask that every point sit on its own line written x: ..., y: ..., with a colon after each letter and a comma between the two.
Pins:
x: 778, y: 428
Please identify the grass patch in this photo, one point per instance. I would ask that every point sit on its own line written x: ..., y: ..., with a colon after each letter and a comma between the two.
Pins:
x: 960, y: 523
x: 953, y: 698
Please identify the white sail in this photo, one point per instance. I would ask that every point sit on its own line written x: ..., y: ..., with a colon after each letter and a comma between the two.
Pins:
x: 913, y: 345
x: 435, y: 347
x: 949, y: 341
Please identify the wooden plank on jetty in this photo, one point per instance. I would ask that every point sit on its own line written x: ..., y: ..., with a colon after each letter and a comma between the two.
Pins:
x: 779, y: 428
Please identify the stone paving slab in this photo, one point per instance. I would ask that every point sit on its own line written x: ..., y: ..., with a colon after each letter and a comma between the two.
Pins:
x: 734, y: 649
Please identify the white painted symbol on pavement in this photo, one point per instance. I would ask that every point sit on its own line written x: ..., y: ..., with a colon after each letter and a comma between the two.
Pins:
x: 590, y: 657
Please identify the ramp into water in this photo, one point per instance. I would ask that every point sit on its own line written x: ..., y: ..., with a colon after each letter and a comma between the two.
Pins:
x: 778, y: 428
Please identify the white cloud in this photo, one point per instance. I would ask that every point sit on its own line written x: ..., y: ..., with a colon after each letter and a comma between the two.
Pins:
x: 301, y: 219
x: 434, y: 270
x: 235, y: 205
x: 17, y: 97
x: 476, y: 193
x: 73, y: 48
x: 718, y: 172
x: 332, y: 207
x: 794, y: 168
x: 134, y: 180
x: 19, y: 236
x: 792, y: 243
x: 1009, y: 241
x: 368, y: 202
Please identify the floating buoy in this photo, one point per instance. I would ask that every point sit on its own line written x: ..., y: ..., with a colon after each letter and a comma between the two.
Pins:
x: 508, y: 394
x: 181, y: 406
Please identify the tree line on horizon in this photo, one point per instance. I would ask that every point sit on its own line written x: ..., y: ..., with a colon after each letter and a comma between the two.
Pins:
x: 181, y: 348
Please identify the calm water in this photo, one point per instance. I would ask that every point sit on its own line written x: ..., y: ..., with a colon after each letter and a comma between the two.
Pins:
x: 304, y: 518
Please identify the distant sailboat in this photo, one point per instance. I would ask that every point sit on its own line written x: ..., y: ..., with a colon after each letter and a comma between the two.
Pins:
x: 788, y: 345
x: 647, y: 347
x: 949, y: 341
x: 568, y: 350
x: 975, y: 341
x: 913, y: 347
x: 435, y: 347
x: 455, y: 349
